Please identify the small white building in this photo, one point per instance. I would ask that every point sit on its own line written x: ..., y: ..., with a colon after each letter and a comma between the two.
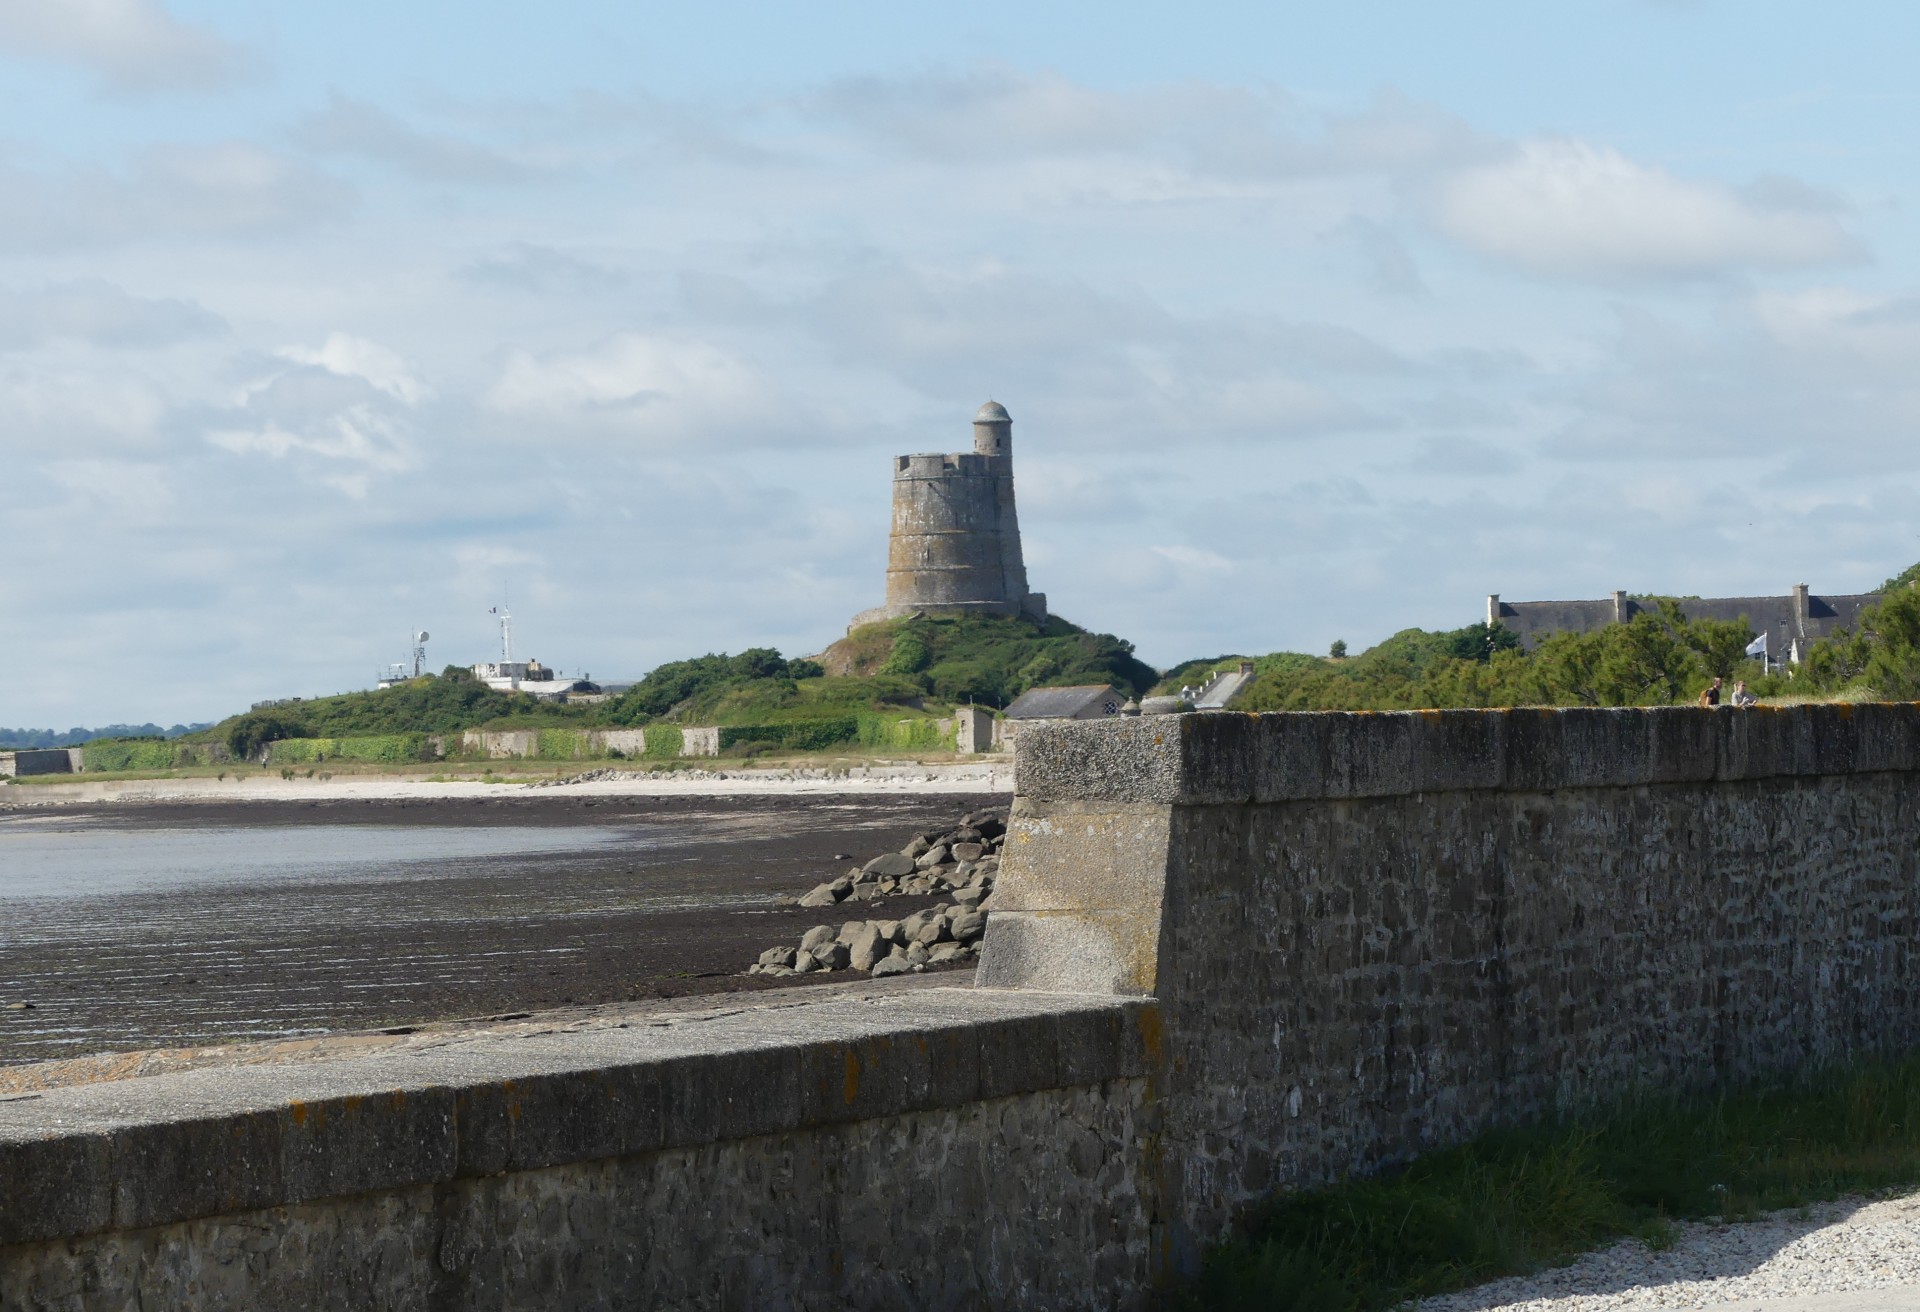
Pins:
x: 531, y: 677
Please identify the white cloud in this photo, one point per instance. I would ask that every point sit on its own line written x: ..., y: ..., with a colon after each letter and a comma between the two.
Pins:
x: 1846, y: 328
x: 342, y: 414
x: 995, y: 112
x: 97, y: 312
x: 134, y: 487
x: 133, y: 45
x: 1194, y: 558
x: 356, y: 357
x: 66, y: 408
x: 353, y: 127
x: 232, y: 189
x: 654, y: 387
x: 350, y: 447
x: 1569, y: 207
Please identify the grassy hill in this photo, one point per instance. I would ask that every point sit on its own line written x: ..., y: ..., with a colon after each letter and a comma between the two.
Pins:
x: 884, y: 685
x: 986, y: 659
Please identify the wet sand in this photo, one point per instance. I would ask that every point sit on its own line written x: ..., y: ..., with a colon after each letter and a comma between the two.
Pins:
x: 686, y: 896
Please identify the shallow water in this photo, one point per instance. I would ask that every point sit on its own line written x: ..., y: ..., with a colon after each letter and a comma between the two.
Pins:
x: 79, y: 862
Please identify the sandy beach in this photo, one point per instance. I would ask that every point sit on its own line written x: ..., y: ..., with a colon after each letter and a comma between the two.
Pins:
x: 600, y: 780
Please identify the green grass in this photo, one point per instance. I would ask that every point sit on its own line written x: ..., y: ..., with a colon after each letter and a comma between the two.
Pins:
x: 1518, y: 1200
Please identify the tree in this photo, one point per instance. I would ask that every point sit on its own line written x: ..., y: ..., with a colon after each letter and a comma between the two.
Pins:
x: 1338, y: 651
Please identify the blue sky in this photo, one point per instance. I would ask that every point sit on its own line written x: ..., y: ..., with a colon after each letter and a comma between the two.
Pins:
x: 322, y: 322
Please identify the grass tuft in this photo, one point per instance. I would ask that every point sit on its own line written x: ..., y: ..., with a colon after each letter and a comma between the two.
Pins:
x: 1514, y: 1201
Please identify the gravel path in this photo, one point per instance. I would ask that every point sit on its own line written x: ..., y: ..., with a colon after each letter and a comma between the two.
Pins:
x: 1807, y: 1260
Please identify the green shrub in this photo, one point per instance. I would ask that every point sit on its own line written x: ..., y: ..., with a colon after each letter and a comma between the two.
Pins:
x: 560, y: 744
x: 383, y: 748
x: 794, y: 735
x: 663, y: 741
x: 904, y: 735
x: 134, y: 754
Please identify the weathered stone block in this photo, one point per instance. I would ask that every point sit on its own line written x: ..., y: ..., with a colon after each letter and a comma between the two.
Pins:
x: 55, y: 1186
x: 362, y: 1142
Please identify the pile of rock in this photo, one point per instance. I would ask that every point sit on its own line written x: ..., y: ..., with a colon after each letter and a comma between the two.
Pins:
x: 882, y: 947
x: 956, y: 861
x: 963, y: 861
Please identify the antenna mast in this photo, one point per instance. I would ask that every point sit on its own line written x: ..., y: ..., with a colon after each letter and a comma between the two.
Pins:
x: 419, y: 651
x: 506, y: 632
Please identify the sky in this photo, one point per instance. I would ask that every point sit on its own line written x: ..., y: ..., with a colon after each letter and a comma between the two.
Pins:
x: 323, y: 323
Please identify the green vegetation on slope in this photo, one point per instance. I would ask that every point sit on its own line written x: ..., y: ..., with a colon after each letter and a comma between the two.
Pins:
x: 987, y: 659
x: 1661, y: 657
x: 1515, y: 1201
x: 890, y: 683
x: 444, y: 703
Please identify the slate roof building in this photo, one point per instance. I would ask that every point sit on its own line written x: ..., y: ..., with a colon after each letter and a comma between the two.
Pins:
x: 1791, y: 623
x: 1087, y: 701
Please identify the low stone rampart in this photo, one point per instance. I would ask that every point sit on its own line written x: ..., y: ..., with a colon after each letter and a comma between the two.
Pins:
x: 1228, y: 955
x: 885, y: 1147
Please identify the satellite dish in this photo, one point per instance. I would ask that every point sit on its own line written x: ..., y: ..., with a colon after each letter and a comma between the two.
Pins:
x: 422, y: 637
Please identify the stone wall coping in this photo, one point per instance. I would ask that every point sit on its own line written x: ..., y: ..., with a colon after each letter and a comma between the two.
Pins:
x: 1226, y: 757
x: 164, y: 1148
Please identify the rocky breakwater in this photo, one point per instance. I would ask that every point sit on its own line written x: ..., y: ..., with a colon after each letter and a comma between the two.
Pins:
x: 962, y: 861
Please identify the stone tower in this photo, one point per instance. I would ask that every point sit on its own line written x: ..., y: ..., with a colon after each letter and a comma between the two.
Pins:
x: 955, y: 544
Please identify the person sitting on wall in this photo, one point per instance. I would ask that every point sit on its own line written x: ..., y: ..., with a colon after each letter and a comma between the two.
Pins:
x: 1711, y: 695
x: 1741, y: 696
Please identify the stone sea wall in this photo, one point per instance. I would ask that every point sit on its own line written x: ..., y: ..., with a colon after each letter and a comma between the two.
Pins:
x: 1228, y: 954
x: 1370, y: 935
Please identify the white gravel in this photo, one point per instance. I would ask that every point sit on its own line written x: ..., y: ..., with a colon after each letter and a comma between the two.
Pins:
x: 1786, y: 1260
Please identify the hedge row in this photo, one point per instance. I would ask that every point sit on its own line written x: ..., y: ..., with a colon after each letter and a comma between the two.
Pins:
x: 561, y: 745
x: 138, y: 755
x: 905, y: 735
x: 664, y: 740
x: 389, y: 747
x: 867, y: 728
x: 796, y: 735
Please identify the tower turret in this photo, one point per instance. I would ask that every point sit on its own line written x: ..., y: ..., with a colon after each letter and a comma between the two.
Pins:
x: 993, y: 430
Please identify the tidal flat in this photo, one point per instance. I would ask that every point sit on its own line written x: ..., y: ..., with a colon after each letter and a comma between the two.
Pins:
x: 126, y: 926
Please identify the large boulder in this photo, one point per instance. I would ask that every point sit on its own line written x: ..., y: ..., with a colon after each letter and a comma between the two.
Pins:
x: 917, y: 955
x: 824, y: 895
x: 967, y: 851
x: 893, y: 865
x: 991, y: 824
x: 866, y: 948
x: 832, y: 955
x: 968, y: 926
x: 933, y: 856
x: 896, y: 964
x: 777, y: 957
x: 814, y: 937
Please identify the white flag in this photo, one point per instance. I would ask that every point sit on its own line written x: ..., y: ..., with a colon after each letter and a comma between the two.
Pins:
x: 1758, y: 647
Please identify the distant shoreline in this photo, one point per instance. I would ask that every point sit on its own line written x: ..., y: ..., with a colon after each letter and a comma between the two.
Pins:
x: 963, y: 777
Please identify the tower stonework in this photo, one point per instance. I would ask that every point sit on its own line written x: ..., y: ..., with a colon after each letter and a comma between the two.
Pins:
x: 955, y: 542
